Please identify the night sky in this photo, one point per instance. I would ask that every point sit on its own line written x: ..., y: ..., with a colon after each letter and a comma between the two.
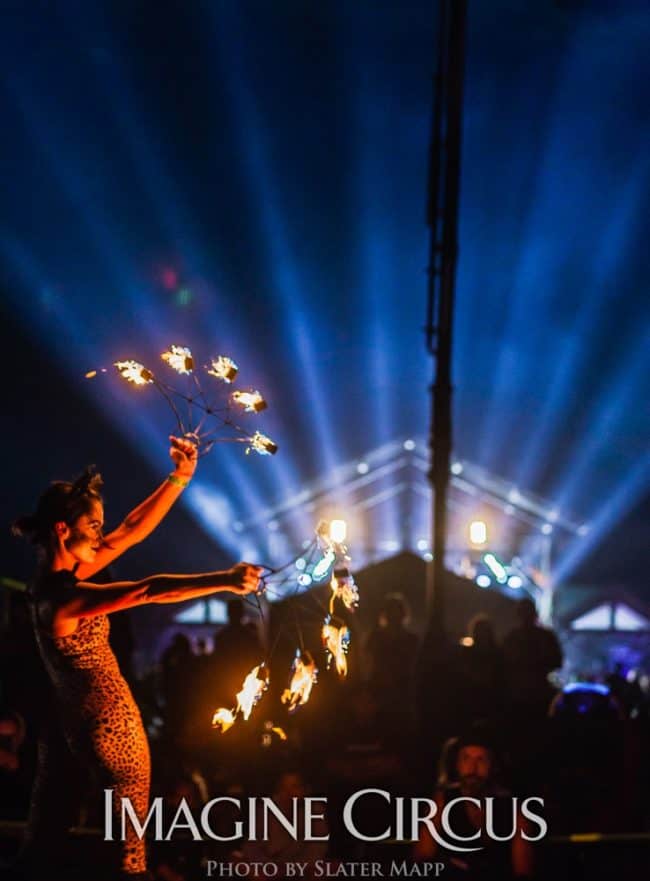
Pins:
x: 249, y: 178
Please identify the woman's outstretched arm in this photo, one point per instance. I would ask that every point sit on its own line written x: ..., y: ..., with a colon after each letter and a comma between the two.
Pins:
x: 90, y: 600
x: 143, y: 519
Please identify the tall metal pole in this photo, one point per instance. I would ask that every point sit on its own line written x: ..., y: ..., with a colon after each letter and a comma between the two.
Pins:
x: 442, y: 218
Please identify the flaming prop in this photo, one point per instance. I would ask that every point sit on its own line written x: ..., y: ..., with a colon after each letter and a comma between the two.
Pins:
x: 304, y: 675
x: 133, y: 372
x: 262, y: 445
x: 336, y: 641
x: 179, y: 359
x: 252, y: 690
x: 251, y: 402
x: 206, y: 422
x: 223, y: 719
x: 344, y: 587
x: 223, y: 368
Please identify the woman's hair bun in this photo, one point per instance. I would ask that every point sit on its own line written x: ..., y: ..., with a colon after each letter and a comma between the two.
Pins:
x: 89, y: 482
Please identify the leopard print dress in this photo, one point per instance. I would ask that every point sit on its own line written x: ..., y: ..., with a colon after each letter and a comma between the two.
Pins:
x: 100, y: 720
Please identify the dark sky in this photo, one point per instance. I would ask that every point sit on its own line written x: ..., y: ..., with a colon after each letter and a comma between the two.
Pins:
x: 250, y: 177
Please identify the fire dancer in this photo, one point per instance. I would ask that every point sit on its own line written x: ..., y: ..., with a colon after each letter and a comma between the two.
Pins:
x: 100, y: 720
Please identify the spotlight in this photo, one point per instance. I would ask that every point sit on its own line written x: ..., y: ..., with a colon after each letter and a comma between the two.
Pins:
x: 427, y: 557
x: 409, y: 444
x: 496, y: 568
x: 251, y: 402
x: 483, y: 580
x: 223, y: 368
x: 456, y: 468
x: 515, y: 582
x: 301, y: 563
x: 547, y: 529
x: 514, y: 496
x: 363, y: 468
x: 478, y: 532
x: 422, y: 544
x: 338, y: 531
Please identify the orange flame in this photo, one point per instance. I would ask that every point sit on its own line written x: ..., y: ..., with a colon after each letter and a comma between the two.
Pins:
x: 252, y: 402
x: 179, y: 359
x: 302, y: 681
x: 251, y: 691
x: 134, y: 372
x: 344, y: 587
x: 223, y: 719
x: 336, y: 641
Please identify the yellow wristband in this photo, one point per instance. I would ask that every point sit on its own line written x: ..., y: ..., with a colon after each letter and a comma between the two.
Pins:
x: 178, y: 481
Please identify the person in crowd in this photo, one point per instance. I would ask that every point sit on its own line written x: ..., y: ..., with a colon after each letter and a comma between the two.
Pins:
x: 391, y: 651
x: 531, y: 652
x: 99, y: 718
x: 480, y: 672
x: 280, y: 847
x: 469, y: 772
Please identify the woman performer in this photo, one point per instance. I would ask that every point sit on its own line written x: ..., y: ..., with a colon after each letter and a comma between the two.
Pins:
x: 99, y: 717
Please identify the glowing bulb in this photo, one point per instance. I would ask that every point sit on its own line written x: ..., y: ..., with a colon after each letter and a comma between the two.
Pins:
x: 497, y: 568
x: 422, y: 544
x: 547, y: 529
x: 363, y: 468
x: 409, y: 444
x: 456, y: 468
x: 478, y: 532
x: 323, y: 566
x: 338, y: 531
x: 515, y: 582
x: 483, y: 581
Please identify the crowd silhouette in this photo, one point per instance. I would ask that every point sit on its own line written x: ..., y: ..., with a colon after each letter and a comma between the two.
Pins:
x: 429, y: 717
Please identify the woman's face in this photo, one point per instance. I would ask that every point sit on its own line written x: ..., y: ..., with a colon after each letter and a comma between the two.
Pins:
x: 85, y: 537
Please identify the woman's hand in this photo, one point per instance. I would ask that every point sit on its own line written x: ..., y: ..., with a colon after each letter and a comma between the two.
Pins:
x: 184, y: 454
x: 245, y: 578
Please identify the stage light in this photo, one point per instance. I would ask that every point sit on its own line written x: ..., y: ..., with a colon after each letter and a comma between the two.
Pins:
x: 324, y: 565
x: 409, y: 444
x: 338, y: 531
x: 301, y: 563
x: 363, y: 468
x: 305, y: 579
x: 184, y: 297
x: 514, y: 496
x: 478, y: 532
x: 427, y: 557
x: 223, y: 368
x: 496, y: 568
x: 422, y: 544
x: 515, y: 582
x: 456, y: 468
x: 483, y: 580
x: 547, y: 529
